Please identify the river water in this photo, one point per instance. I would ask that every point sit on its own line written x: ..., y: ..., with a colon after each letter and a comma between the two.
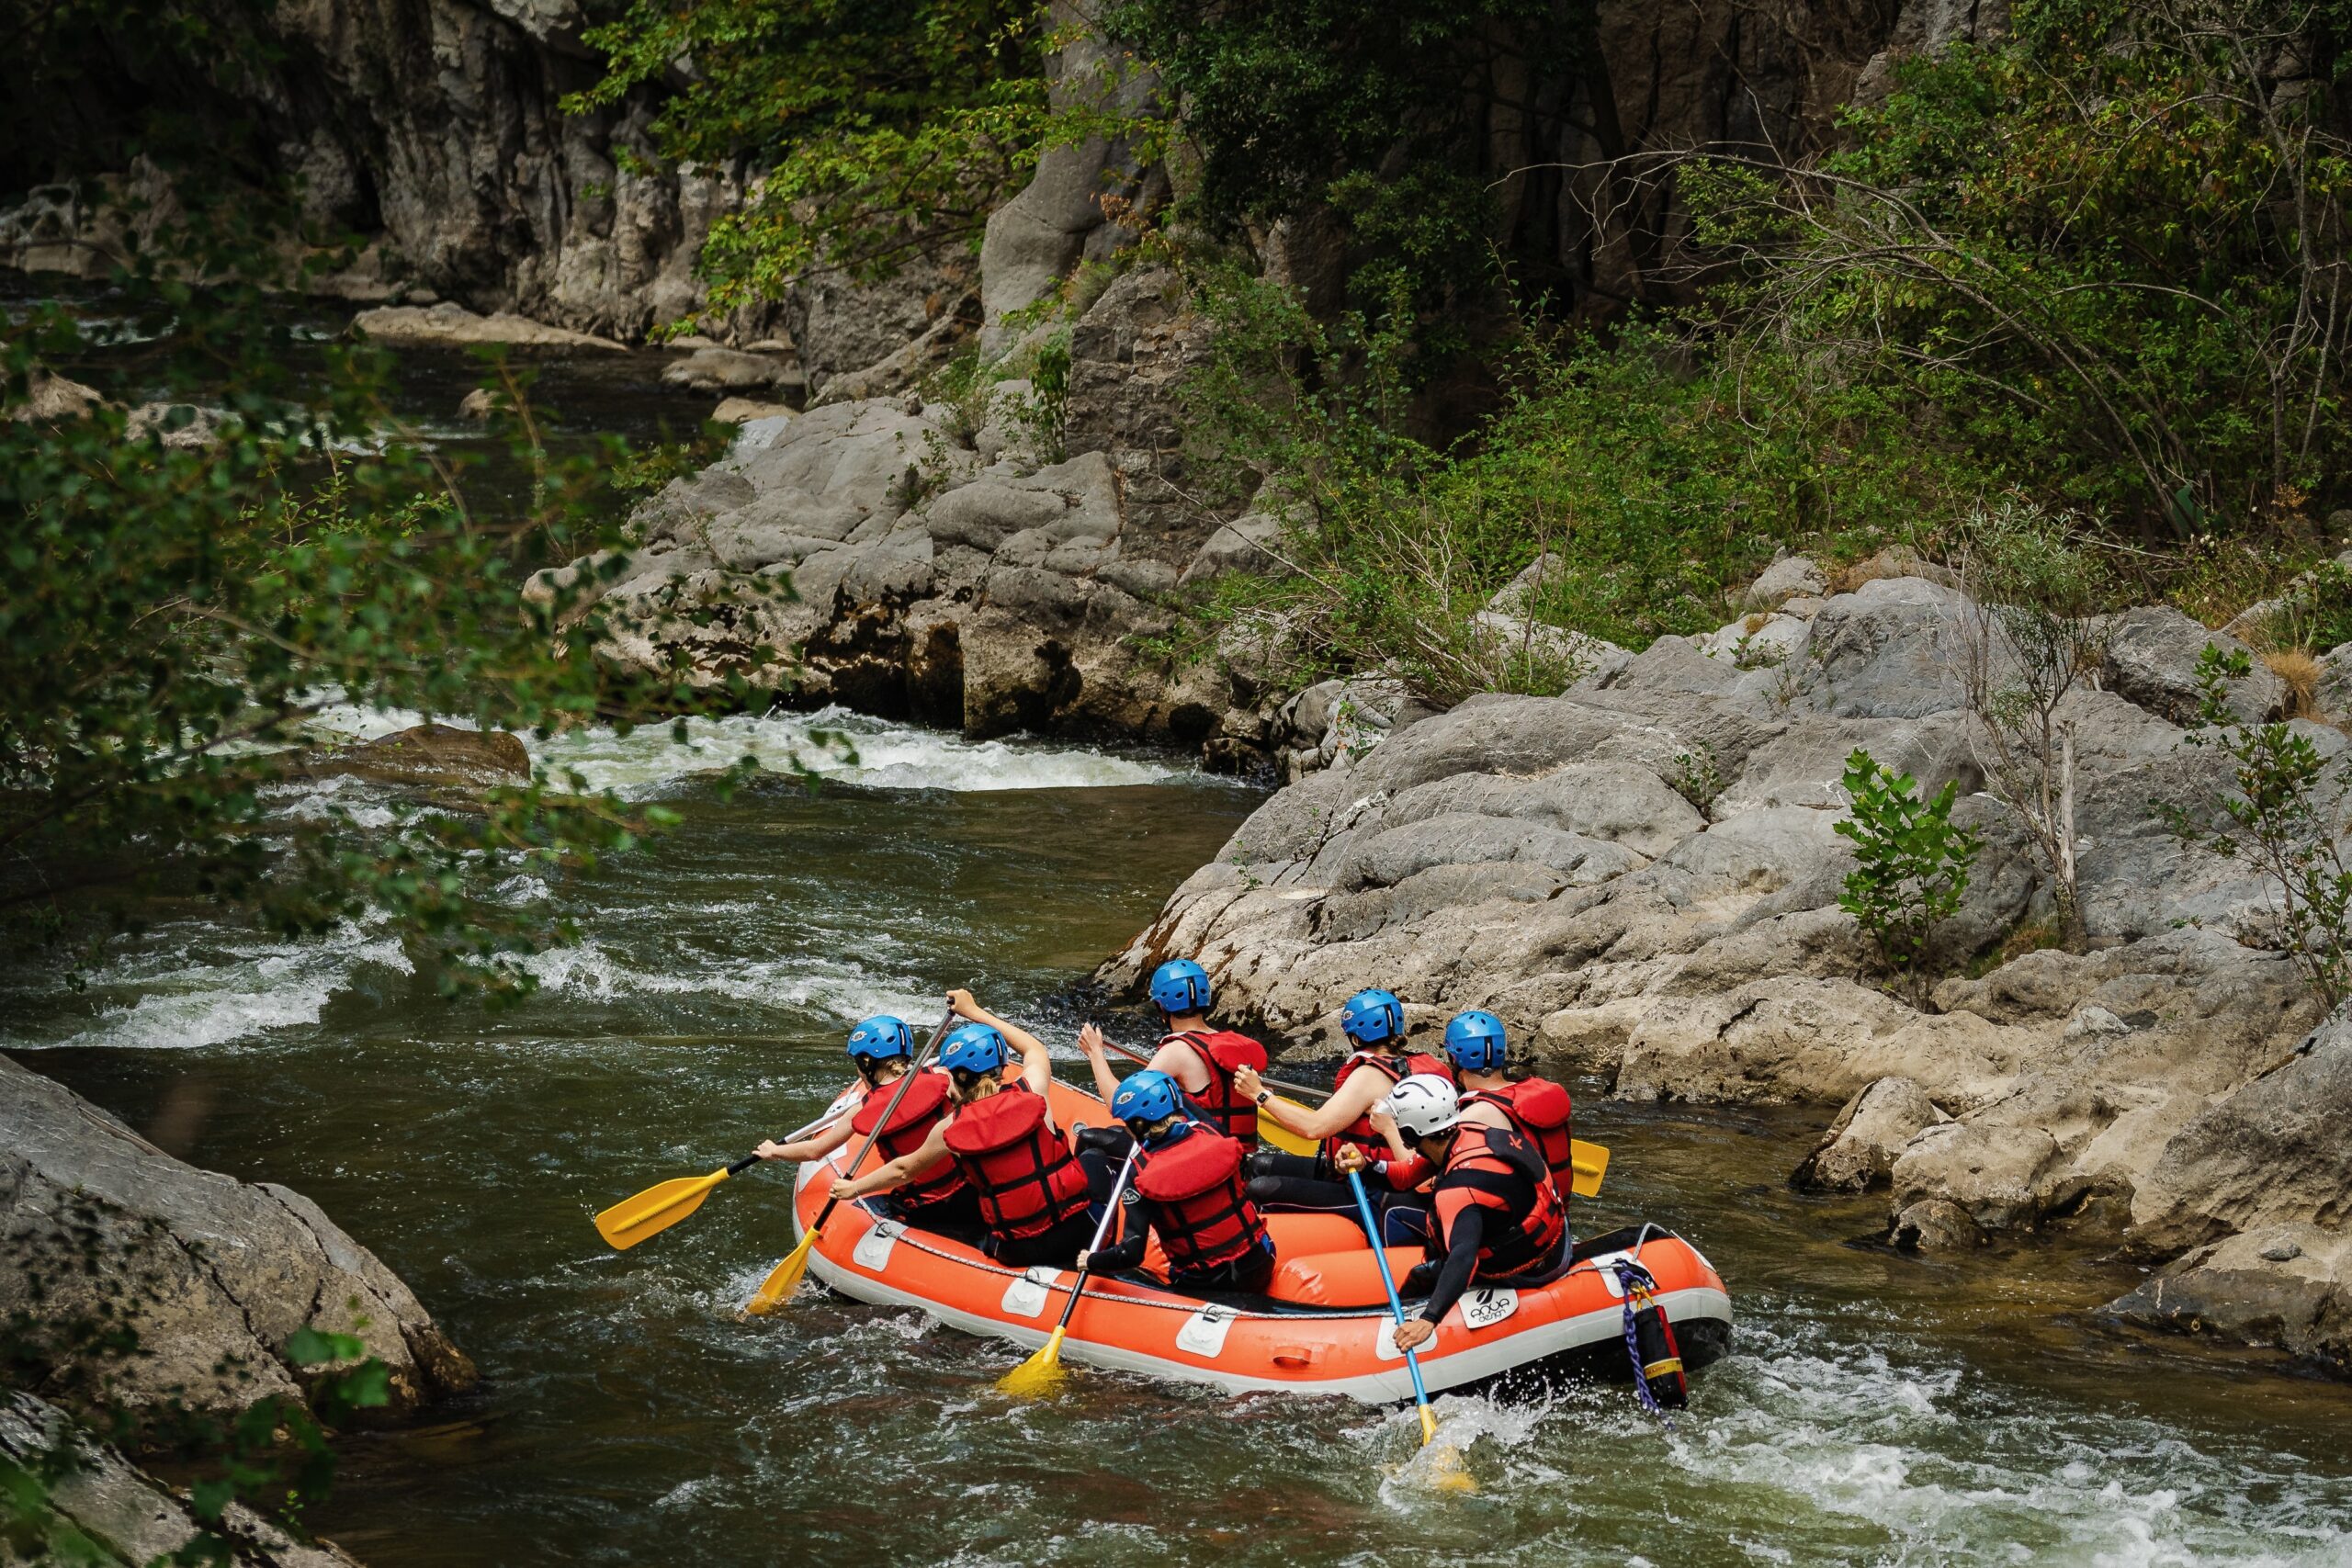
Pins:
x: 1878, y: 1408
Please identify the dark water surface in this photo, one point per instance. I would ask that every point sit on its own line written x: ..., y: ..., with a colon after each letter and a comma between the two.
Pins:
x: 1879, y: 1409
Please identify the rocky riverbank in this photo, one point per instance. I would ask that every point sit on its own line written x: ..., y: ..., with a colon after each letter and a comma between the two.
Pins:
x: 1641, y: 877
x: 960, y: 563
x: 104, y: 1231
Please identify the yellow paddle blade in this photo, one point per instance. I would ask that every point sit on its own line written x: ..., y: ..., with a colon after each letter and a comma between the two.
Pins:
x: 1441, y: 1467
x: 655, y: 1210
x: 782, y: 1280
x: 1280, y: 1137
x: 1591, y: 1162
x: 1038, y: 1376
x: 1447, y: 1472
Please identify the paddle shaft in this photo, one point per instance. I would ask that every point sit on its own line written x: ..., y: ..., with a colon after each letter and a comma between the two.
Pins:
x: 1101, y: 1229
x: 1132, y: 1054
x: 906, y: 1082
x: 1388, y: 1283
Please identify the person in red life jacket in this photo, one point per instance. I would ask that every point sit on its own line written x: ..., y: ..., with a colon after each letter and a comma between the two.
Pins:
x: 1187, y: 1188
x: 1535, y: 1108
x: 1037, y: 1200
x: 883, y: 1049
x: 1374, y: 1020
x: 1200, y: 1059
x: 1494, y: 1214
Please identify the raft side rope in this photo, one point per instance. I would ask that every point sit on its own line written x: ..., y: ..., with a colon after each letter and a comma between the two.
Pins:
x: 1639, y: 1288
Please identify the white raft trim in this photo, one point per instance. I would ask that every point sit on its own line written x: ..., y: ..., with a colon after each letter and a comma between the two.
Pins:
x: 1469, y: 1363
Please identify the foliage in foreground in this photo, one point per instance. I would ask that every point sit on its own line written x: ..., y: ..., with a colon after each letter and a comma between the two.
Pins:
x: 88, y: 1286
x: 177, y: 615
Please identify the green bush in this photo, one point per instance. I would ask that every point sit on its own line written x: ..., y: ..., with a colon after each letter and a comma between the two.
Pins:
x: 1913, y: 865
x: 2286, y: 820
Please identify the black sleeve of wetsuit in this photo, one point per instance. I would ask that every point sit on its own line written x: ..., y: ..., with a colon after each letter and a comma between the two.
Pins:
x: 1461, y: 1259
x: 1126, y: 1253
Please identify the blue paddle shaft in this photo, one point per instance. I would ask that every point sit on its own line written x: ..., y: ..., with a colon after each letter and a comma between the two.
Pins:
x: 1380, y: 1255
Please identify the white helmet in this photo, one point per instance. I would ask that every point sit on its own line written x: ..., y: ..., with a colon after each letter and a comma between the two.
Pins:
x: 1424, y: 1105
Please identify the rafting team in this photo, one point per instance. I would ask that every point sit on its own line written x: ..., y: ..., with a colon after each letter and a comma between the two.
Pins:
x: 1459, y: 1154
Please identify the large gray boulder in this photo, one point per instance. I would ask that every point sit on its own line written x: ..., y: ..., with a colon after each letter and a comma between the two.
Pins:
x: 2151, y: 659
x: 2281, y: 1287
x: 1033, y: 241
x: 212, y: 1275
x: 1891, y: 648
x: 730, y: 371
x: 1861, y: 1147
x: 451, y: 325
x: 122, y: 1512
x: 2275, y: 1152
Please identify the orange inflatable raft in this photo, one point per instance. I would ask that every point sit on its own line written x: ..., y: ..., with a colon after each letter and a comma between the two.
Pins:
x: 1322, y: 1326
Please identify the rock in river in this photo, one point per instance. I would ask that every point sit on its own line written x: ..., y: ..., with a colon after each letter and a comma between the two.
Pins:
x: 212, y: 1274
x: 127, y: 1515
x: 435, y: 755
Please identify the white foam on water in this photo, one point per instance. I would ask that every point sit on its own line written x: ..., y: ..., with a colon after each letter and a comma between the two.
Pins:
x: 187, y: 988
x: 844, y: 747
x: 833, y: 743
x: 1920, y: 1455
x: 831, y: 985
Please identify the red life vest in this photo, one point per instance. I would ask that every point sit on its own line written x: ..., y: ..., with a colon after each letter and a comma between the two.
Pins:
x: 1018, y: 1170
x: 1221, y: 1051
x: 1204, y: 1217
x: 1359, y: 1133
x: 911, y: 1124
x: 1503, y: 1173
x: 1542, y: 1111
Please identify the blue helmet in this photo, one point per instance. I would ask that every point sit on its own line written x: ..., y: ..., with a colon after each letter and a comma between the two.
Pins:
x: 1179, y: 985
x: 1146, y: 1097
x: 881, y: 1037
x: 1372, y: 1017
x: 1474, y: 1039
x: 972, y: 1048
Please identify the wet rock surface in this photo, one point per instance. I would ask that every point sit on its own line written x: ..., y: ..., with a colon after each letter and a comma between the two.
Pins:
x: 127, y: 1515
x: 919, y: 568
x: 211, y: 1274
x: 432, y: 755
x: 1641, y: 877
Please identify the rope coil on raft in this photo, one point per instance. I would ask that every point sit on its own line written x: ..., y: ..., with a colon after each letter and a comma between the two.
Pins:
x: 1640, y: 1287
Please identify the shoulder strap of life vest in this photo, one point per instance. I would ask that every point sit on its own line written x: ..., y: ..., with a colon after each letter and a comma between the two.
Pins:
x: 1004, y: 1118
x: 1220, y: 1051
x: 922, y: 1100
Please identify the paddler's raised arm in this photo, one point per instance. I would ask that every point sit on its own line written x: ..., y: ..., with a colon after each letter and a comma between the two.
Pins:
x: 1106, y: 1082
x: 1036, y: 1062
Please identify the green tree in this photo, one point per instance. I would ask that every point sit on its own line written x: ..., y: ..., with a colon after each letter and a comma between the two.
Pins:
x: 874, y: 132
x: 176, y: 614
x: 1913, y: 864
x: 2286, y: 820
x: 2113, y: 245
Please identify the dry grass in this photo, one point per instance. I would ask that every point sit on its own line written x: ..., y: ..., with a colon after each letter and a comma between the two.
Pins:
x: 2299, y: 672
